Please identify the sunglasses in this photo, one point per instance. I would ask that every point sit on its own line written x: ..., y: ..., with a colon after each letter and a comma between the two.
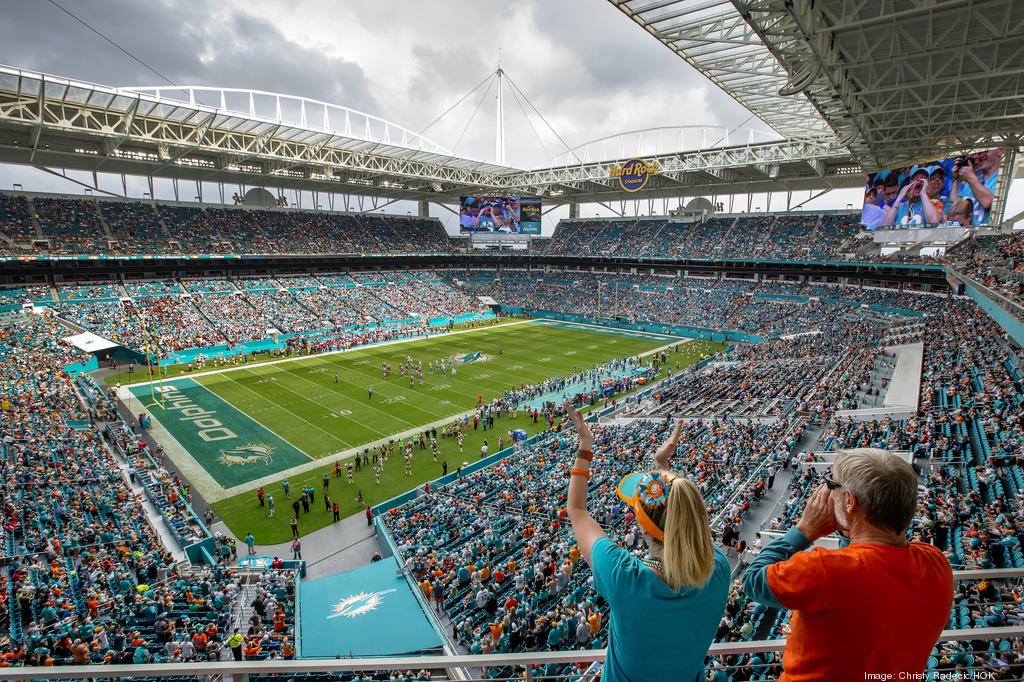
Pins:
x: 832, y: 484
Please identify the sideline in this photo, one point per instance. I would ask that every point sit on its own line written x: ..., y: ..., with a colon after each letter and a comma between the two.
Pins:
x: 635, y: 333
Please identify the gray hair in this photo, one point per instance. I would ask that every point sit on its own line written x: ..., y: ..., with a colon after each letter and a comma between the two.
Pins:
x: 884, y: 485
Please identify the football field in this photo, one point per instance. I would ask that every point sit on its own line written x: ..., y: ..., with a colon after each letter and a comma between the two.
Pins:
x: 234, y: 429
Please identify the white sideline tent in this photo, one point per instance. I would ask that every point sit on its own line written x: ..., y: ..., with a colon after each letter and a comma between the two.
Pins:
x: 91, y: 343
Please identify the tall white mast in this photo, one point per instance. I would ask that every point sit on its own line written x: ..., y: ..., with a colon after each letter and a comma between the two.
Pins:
x: 499, y: 124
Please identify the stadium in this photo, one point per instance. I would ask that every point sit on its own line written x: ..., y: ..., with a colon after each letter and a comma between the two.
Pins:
x: 293, y: 391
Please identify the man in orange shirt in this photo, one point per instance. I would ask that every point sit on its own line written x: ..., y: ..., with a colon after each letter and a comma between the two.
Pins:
x: 878, y: 603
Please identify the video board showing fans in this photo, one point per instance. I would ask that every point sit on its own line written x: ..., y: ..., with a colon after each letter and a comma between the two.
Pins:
x: 512, y: 215
x: 954, y: 192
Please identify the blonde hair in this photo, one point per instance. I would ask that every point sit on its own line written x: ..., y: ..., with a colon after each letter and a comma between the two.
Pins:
x: 964, y: 207
x: 689, y: 555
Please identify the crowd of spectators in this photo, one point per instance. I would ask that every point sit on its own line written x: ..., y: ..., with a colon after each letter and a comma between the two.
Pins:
x: 16, y: 219
x: 85, y: 292
x: 118, y: 321
x: 174, y: 323
x: 494, y: 550
x: 80, y: 226
x: 244, y: 230
x: 767, y: 309
x: 135, y: 227
x: 808, y: 236
x: 72, y: 225
x: 88, y: 226
x: 158, y: 315
x: 997, y: 262
x: 87, y: 579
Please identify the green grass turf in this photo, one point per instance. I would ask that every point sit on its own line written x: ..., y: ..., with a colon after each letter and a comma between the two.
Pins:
x: 142, y: 374
x: 300, y: 401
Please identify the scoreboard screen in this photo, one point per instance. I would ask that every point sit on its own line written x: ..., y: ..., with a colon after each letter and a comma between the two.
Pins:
x: 513, y: 215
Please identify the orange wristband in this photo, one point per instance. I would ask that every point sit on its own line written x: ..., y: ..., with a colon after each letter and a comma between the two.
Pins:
x: 585, y: 473
x: 586, y: 454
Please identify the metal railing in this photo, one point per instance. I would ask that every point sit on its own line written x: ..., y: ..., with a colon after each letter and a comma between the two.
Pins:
x: 1007, y: 304
x: 241, y: 670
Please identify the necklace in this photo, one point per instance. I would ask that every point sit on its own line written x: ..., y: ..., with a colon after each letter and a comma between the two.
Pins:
x: 881, y: 541
x: 654, y: 564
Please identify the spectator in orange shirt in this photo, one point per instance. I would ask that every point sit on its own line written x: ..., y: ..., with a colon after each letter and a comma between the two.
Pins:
x: 878, y: 603
x: 199, y: 641
x: 80, y: 652
x: 594, y: 620
x: 252, y: 648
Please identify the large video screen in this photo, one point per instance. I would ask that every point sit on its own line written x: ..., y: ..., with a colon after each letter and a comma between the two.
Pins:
x: 500, y: 214
x: 954, y: 192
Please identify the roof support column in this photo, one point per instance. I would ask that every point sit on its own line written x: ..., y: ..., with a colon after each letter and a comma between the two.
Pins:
x: 424, y: 211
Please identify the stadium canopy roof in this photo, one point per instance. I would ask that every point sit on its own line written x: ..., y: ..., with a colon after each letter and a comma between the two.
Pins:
x: 893, y: 82
x: 260, y: 139
x: 715, y: 38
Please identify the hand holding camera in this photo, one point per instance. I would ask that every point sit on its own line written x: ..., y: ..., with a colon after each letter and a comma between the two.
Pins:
x: 965, y: 167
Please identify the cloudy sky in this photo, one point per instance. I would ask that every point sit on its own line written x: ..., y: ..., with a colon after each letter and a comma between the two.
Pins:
x: 585, y: 66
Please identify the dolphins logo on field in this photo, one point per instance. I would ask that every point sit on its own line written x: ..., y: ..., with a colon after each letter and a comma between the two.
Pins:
x: 246, y: 454
x: 358, y: 604
x: 465, y: 358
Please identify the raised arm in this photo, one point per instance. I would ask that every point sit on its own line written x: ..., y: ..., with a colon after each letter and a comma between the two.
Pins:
x: 668, y: 448
x: 584, y: 527
x: 892, y: 211
x: 982, y: 194
x: 799, y: 582
x: 932, y: 216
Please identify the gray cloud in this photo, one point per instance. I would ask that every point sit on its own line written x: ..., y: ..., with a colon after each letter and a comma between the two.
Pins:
x: 587, y: 68
x: 197, y: 42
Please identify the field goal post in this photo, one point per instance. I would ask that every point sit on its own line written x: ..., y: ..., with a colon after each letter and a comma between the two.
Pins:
x: 157, y: 373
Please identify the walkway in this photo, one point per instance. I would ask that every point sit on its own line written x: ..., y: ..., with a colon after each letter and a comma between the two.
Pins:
x: 155, y: 519
x: 905, y: 385
x: 762, y: 515
x: 338, y: 547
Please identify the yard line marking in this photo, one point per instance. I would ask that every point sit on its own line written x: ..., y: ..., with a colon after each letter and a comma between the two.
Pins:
x: 328, y: 433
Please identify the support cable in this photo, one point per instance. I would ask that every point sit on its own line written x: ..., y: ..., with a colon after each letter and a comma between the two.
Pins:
x: 461, y: 100
x: 564, y: 144
x: 478, y: 104
x: 109, y: 40
x: 530, y: 121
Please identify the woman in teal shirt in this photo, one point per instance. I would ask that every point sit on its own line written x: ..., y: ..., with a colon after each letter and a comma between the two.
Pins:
x: 666, y: 607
